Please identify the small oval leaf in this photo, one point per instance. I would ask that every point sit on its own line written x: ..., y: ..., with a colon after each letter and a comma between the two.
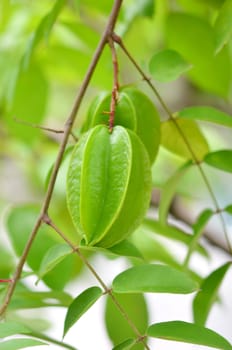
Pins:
x: 188, y: 333
x: 80, y: 305
x: 168, y: 65
x: 53, y: 257
x: 153, y: 278
x: 126, y: 248
x: 220, y: 159
x: 207, y: 114
x: 205, y: 298
x: 180, y: 134
x: 117, y: 327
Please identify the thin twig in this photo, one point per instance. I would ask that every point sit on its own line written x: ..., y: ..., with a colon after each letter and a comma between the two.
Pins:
x: 49, y: 222
x: 5, y: 280
x: 118, y: 40
x: 36, y: 126
x: 67, y: 130
x: 108, y: 291
x: 115, y: 84
x: 179, y: 214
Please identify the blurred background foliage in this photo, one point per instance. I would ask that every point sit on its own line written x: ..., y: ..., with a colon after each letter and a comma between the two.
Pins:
x: 45, y: 49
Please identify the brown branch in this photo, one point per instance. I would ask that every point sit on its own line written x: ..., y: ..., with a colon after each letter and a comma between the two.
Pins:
x: 67, y: 130
x: 141, y: 338
x: 115, y: 84
x: 49, y: 222
x: 118, y: 40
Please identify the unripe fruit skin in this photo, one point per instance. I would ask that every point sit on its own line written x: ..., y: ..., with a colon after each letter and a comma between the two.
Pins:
x: 134, y: 110
x: 108, y: 185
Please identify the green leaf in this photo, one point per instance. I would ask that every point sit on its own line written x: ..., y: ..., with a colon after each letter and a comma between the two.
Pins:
x: 168, y: 65
x: 153, y: 249
x: 188, y: 333
x: 43, y: 31
x: 228, y: 209
x: 29, y: 102
x: 207, y: 295
x: 198, y: 227
x: 181, y: 134
x: 7, y: 263
x: 220, y: 159
x: 24, y: 299
x: 223, y: 25
x: 53, y: 257
x: 173, y: 233
x: 153, y: 278
x: 20, y: 222
x: 10, y: 328
x: 196, y: 43
x: 117, y: 327
x: 169, y: 190
x: 202, y: 220
x: 103, y: 6
x: 140, y: 8
x: 22, y: 343
x: 126, y: 248
x: 125, y: 345
x: 80, y: 305
x: 208, y: 114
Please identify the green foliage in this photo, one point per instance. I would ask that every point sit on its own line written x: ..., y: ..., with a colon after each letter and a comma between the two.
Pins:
x: 194, y: 139
x: 188, y: 333
x: 167, y: 65
x: 117, y: 327
x: 206, y: 113
x: 153, y: 279
x: 22, y: 343
x: 206, y: 297
x: 80, y: 305
x: 220, y: 159
x: 223, y: 26
x: 19, y: 224
x: 178, y: 133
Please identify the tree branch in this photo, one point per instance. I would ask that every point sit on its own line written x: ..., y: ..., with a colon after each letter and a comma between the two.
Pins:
x: 140, y: 338
x: 67, y: 130
x: 118, y: 40
x: 115, y: 84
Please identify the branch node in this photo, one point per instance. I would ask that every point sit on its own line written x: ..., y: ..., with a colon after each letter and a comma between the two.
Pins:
x: 46, y: 219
